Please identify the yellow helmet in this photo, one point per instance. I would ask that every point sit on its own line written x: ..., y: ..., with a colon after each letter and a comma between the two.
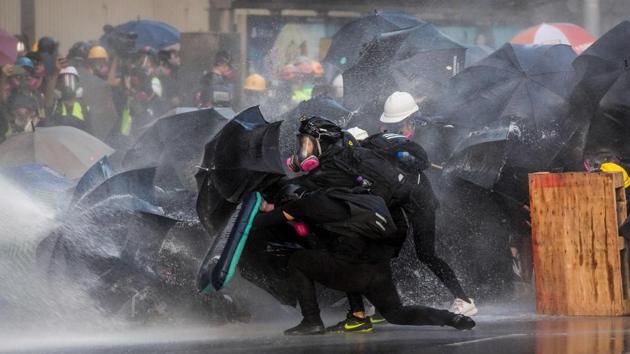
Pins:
x: 613, y: 167
x: 97, y: 52
x: 255, y: 82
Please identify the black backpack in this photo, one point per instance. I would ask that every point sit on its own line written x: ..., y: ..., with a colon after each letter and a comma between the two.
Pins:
x: 408, y: 156
x: 369, y: 215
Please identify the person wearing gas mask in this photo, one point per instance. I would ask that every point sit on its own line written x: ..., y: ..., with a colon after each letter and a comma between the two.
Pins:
x: 21, y: 78
x: 355, y: 260
x: 66, y: 107
x: 144, y: 105
x: 19, y: 115
x: 400, y: 182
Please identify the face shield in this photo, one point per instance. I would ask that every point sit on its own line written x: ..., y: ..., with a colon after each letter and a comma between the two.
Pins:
x: 68, y: 87
x: 307, y: 146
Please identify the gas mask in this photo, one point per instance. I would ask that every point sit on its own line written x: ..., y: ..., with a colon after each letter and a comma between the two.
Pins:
x: 100, y: 68
x: 23, y: 120
x: 68, y: 87
x: 306, y: 158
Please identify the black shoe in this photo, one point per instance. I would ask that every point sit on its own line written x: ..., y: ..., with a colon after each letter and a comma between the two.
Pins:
x: 306, y: 328
x: 462, y: 322
x: 352, y: 324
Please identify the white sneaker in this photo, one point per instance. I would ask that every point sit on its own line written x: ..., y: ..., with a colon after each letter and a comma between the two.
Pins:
x: 462, y: 307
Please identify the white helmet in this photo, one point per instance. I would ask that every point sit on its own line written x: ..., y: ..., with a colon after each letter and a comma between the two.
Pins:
x: 337, y: 85
x: 69, y: 70
x: 399, y: 105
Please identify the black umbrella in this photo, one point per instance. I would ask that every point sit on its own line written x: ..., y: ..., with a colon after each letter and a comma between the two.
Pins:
x: 175, y: 144
x: 109, y: 250
x: 600, y: 99
x: 419, y: 60
x: 523, y: 86
x: 239, y: 159
x: 348, y: 42
x: 137, y: 183
x: 94, y: 176
x: 511, y: 109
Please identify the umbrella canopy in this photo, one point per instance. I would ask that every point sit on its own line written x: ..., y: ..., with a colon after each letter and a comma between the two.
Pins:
x: 40, y: 182
x: 96, y: 175
x: 109, y: 250
x: 238, y: 160
x: 137, y: 183
x: 8, y: 48
x: 348, y: 42
x: 598, y: 69
x: 175, y: 143
x: 154, y: 34
x: 610, y: 127
x: 556, y: 33
x: 419, y: 60
x: 512, y: 108
x: 67, y: 150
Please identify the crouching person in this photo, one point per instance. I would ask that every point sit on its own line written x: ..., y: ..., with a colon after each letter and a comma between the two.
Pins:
x: 359, y: 239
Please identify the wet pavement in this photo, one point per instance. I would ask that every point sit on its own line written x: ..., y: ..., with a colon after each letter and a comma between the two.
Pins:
x: 494, y: 334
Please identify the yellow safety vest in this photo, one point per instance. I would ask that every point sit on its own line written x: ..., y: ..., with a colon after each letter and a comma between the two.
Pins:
x: 303, y: 94
x: 125, y: 122
x: 77, y: 111
x: 613, y: 167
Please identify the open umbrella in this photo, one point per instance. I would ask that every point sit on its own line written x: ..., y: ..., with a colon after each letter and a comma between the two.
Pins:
x: 137, y: 183
x: 239, y: 159
x: 599, y: 101
x: 348, y: 42
x: 96, y: 175
x: 610, y: 127
x: 512, y: 110
x: 175, y: 143
x: 419, y: 60
x: 40, y: 182
x: 8, y: 48
x: 556, y: 33
x: 109, y: 250
x: 154, y: 34
x: 67, y: 150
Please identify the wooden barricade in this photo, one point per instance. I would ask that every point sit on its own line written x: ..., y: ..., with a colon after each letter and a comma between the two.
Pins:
x: 581, y: 263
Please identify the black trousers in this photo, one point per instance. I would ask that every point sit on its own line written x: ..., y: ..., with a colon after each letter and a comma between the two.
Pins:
x: 421, y: 211
x: 372, y: 280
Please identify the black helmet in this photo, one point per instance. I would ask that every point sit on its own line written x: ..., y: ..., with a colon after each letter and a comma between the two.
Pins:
x: 47, y: 45
x: 79, y: 50
x: 320, y: 128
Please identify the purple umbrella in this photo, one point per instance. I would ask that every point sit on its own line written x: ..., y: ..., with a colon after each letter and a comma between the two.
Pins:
x: 8, y: 48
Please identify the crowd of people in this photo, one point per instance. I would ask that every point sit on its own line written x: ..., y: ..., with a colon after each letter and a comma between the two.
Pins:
x: 112, y: 92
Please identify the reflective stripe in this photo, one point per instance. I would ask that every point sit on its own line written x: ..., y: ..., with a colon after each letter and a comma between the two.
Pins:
x: 77, y: 111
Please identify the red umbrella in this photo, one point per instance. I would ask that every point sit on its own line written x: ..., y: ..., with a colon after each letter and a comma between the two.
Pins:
x: 556, y: 33
x: 8, y: 48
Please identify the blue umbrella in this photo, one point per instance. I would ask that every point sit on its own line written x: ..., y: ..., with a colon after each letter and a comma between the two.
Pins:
x: 152, y: 34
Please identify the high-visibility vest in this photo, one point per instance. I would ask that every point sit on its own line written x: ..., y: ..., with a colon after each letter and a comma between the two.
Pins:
x: 77, y: 111
x: 125, y: 121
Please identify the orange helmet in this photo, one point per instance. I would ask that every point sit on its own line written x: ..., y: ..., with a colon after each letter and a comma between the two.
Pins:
x: 318, y: 69
x: 97, y: 52
x: 255, y: 82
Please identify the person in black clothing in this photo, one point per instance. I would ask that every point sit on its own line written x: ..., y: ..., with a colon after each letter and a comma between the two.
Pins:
x: 322, y: 153
x: 355, y: 262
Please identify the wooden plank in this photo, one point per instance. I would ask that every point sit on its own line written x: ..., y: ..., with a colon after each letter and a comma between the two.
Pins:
x: 575, y: 244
